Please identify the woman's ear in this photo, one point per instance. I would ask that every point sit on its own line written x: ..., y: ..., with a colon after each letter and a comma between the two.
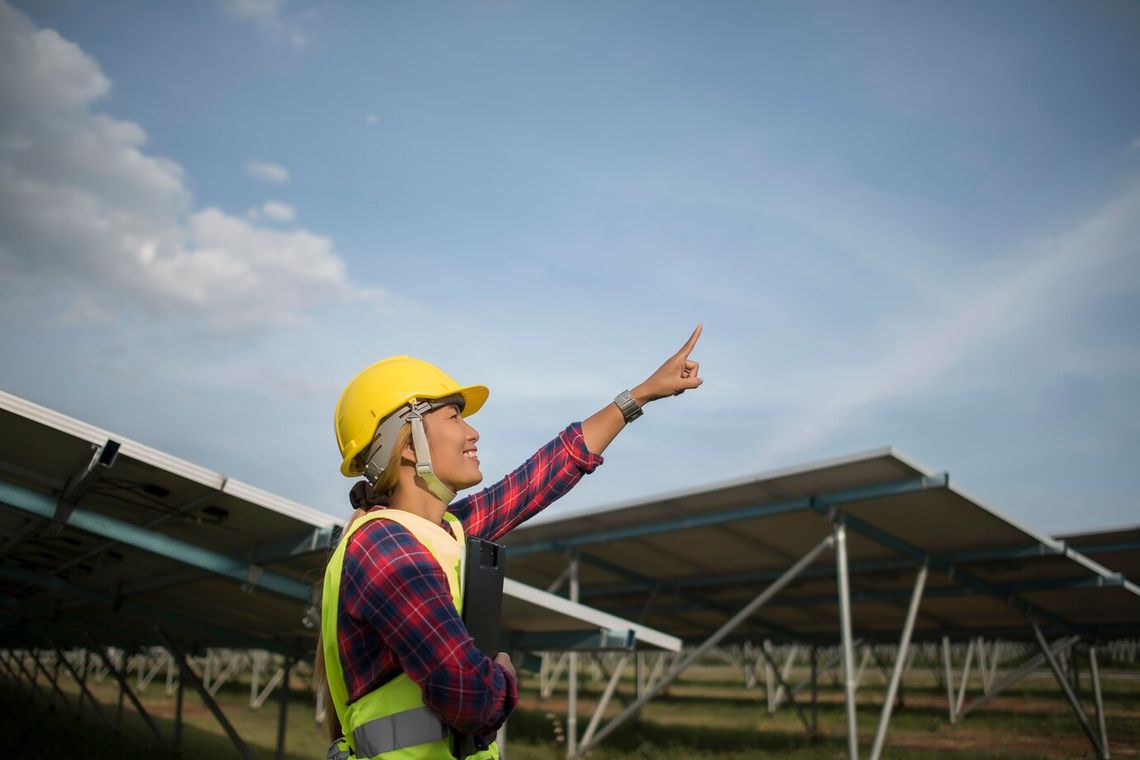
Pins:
x: 408, y: 454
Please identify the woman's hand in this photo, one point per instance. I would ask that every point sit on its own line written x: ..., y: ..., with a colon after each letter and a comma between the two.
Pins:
x: 677, y: 375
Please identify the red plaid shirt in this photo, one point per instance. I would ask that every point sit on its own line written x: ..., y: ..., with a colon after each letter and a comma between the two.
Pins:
x: 396, y: 613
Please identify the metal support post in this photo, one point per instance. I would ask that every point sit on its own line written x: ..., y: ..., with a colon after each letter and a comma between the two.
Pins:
x: 178, y: 714
x: 769, y: 677
x: 572, y: 686
x: 1067, y: 689
x: 748, y: 611
x: 1072, y: 670
x: 845, y: 636
x: 965, y: 678
x: 125, y: 689
x: 988, y: 682
x: 814, y: 691
x: 82, y: 679
x: 900, y: 662
x: 1098, y: 701
x: 211, y: 705
x: 284, y: 708
x: 55, y: 677
x: 949, y: 679
x: 255, y: 677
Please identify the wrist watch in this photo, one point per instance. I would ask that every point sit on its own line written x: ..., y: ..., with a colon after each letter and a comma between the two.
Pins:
x: 629, y: 407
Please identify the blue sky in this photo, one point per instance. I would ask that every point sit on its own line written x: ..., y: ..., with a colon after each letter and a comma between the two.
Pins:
x: 901, y: 224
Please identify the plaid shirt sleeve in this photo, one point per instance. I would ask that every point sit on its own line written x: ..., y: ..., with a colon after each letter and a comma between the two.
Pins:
x: 536, y: 484
x: 396, y: 612
x: 397, y: 615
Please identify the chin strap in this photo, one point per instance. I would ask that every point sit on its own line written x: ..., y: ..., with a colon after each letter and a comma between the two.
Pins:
x: 423, y: 452
x: 379, y: 454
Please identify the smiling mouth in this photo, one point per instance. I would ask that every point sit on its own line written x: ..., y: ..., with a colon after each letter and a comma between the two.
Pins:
x: 470, y: 454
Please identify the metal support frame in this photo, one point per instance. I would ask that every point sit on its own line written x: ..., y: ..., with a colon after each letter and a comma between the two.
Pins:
x: 125, y: 690
x: 32, y: 684
x: 746, y: 612
x: 840, y: 534
x: 146, y: 676
x: 8, y: 670
x: 83, y: 690
x: 101, y: 459
x: 211, y: 705
x: 258, y: 699
x: 18, y: 682
x: 43, y: 505
x: 1101, y: 752
x: 604, y: 702
x: 900, y: 663
x: 1025, y: 669
x: 234, y: 665
x: 832, y: 660
x: 550, y: 672
x: 136, y: 609
x: 784, y: 689
x: 965, y: 676
x: 52, y: 681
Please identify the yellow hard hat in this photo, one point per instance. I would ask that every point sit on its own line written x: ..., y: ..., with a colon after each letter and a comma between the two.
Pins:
x: 386, y: 387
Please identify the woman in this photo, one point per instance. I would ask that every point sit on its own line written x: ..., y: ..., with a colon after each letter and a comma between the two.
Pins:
x: 403, y: 673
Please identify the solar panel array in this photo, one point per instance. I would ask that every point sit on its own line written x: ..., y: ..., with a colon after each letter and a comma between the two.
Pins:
x: 108, y: 537
x: 702, y: 554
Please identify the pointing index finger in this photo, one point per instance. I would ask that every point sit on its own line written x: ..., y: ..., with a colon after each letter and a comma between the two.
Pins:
x: 691, y: 342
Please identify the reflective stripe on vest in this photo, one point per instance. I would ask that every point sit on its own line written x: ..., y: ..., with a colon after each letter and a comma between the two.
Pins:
x: 338, y: 750
x: 392, y: 732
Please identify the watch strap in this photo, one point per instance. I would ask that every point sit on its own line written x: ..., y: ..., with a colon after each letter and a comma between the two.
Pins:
x: 628, y: 405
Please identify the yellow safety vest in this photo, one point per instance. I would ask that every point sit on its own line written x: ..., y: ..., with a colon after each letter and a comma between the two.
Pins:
x: 392, y: 722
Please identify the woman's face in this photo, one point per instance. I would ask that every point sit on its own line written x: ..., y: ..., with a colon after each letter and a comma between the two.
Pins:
x: 453, y: 452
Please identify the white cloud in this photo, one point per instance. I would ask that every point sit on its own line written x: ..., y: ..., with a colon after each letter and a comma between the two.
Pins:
x: 371, y: 119
x: 267, y: 172
x: 278, y: 211
x: 270, y: 15
x: 96, y: 230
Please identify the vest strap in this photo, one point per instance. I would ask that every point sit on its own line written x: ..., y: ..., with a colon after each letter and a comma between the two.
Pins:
x: 392, y: 732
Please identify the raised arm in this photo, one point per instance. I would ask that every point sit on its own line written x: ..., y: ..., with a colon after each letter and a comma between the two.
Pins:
x: 677, y: 375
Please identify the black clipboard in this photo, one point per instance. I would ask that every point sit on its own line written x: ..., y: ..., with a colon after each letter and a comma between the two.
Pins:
x: 483, y: 572
x: 483, y: 575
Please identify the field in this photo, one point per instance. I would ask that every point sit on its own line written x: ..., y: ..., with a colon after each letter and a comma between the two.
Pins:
x: 708, y: 714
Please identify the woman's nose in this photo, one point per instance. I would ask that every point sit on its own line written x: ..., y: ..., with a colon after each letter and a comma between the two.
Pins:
x: 472, y: 433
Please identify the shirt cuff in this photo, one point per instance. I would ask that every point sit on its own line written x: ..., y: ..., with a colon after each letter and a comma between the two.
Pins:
x: 586, y: 460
